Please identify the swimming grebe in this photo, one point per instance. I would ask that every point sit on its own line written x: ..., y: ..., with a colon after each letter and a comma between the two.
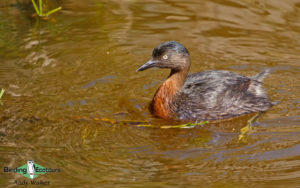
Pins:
x: 208, y: 95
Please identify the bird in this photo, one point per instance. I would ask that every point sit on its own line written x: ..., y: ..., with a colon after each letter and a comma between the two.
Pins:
x: 207, y: 95
x: 31, y: 168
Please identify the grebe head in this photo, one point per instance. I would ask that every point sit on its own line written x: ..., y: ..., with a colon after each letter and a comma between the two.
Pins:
x: 171, y: 55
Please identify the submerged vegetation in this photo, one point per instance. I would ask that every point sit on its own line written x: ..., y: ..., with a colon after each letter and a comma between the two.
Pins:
x: 39, y: 10
x: 1, y: 94
x: 188, y: 125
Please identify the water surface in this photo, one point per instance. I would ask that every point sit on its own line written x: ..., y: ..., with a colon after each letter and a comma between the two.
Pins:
x: 73, y: 99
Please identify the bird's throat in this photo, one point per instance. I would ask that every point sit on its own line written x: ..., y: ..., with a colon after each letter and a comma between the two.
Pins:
x: 161, y: 105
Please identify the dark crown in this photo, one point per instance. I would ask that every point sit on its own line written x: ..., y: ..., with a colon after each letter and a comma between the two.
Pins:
x: 170, y: 45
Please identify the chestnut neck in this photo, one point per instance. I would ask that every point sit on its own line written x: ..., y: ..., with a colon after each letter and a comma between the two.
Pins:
x: 177, y: 77
x: 162, y: 101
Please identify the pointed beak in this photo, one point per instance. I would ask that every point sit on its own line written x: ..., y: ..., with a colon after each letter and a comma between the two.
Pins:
x: 147, y: 65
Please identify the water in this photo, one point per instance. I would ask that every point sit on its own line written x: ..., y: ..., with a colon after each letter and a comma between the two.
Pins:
x: 73, y: 99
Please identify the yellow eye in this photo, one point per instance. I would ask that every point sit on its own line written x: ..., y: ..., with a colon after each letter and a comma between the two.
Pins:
x: 165, y: 57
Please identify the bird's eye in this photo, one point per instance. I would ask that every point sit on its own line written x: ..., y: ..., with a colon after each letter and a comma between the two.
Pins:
x: 165, y: 57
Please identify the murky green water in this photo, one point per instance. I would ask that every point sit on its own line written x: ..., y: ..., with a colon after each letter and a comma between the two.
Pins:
x: 72, y: 94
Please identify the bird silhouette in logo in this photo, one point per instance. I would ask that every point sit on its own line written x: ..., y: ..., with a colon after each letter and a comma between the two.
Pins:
x: 31, y: 168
